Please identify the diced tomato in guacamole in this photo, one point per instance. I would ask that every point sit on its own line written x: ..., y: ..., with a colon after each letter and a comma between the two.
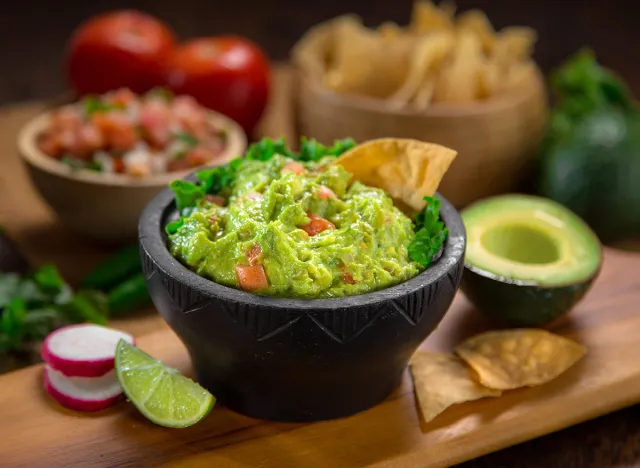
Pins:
x: 292, y: 229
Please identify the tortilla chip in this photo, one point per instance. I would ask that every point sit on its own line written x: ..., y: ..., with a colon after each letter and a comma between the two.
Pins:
x: 459, y: 80
x: 476, y: 22
x: 514, y: 43
x: 511, y: 359
x: 427, y: 17
x: 442, y: 380
x: 406, y: 169
x: 311, y: 52
x: 390, y: 30
x: 428, y: 55
x: 364, y: 62
x: 519, y: 75
x: 490, y: 80
x: 424, y: 95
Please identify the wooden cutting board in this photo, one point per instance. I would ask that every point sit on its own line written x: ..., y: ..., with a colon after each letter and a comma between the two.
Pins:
x: 35, y: 432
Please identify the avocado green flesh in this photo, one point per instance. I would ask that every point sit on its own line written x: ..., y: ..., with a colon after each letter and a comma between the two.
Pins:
x: 528, y: 260
x: 531, y: 240
x: 268, y: 207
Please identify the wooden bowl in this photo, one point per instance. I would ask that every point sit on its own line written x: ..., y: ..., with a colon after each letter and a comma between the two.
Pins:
x: 103, y: 206
x: 496, y: 139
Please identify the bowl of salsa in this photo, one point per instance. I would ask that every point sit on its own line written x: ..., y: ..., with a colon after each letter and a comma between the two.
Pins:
x: 99, y: 161
x: 299, y: 292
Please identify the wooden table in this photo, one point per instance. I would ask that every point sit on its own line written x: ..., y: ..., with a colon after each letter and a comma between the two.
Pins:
x: 613, y: 440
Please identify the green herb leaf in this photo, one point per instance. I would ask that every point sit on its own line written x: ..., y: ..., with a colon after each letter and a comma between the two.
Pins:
x: 430, y: 233
x: 9, y: 287
x: 163, y: 93
x: 311, y: 150
x: 86, y: 306
x: 48, y: 279
x: 187, y: 138
x: 93, y: 104
x: 94, y: 165
x: 12, y: 330
x: 173, y: 226
x: 39, y: 322
x: 186, y: 192
x: 73, y: 163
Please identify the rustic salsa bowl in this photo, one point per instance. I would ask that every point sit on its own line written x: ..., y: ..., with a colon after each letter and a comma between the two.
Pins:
x: 297, y: 359
x: 103, y: 206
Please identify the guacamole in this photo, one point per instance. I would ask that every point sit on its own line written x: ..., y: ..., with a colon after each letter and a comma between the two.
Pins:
x: 294, y: 229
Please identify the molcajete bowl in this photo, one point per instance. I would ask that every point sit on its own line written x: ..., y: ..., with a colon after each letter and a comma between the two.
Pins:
x: 297, y: 359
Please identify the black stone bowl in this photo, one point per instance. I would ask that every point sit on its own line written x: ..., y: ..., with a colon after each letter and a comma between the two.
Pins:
x: 297, y: 359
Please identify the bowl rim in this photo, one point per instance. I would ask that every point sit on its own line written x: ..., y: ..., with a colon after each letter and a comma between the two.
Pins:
x: 152, y: 240
x: 29, y: 152
x: 510, y: 99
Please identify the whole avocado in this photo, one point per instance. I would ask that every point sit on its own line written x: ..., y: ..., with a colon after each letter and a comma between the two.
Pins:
x: 590, y: 159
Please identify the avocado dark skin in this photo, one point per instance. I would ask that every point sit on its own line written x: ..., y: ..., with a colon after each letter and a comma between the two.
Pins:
x: 517, y: 303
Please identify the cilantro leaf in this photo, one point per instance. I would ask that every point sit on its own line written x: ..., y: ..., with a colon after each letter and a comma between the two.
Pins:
x: 430, y: 233
x: 93, y: 104
x: 173, y: 226
x: 9, y: 285
x: 48, y: 279
x: 311, y: 150
x: 187, y: 138
x: 186, y: 193
x: 31, y: 307
x: 162, y: 93
x: 87, y: 306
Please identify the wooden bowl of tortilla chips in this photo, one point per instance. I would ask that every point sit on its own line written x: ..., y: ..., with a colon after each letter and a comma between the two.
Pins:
x: 446, y: 79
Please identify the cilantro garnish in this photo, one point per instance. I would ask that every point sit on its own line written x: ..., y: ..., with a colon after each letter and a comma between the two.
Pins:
x: 161, y: 93
x: 430, y: 233
x: 93, y: 104
x: 187, y: 138
x: 32, y: 306
x: 216, y: 180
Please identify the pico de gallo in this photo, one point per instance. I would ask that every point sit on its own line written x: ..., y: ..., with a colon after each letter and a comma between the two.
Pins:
x: 139, y: 135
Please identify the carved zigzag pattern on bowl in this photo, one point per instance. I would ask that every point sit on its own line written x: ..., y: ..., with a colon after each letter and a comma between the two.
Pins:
x: 343, y: 325
x: 339, y: 324
x: 185, y: 299
x: 263, y: 324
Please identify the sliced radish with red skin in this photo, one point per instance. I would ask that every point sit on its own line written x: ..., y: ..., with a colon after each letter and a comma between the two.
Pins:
x: 84, y: 350
x: 82, y: 393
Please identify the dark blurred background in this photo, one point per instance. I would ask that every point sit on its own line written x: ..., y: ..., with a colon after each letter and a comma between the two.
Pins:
x: 33, y: 32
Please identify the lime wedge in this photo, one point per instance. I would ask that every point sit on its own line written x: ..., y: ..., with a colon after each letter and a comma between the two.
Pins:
x: 161, y: 394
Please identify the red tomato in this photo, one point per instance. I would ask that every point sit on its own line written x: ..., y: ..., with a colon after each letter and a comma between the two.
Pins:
x: 119, y: 49
x: 294, y: 167
x: 251, y: 277
x: 317, y: 225
x: 227, y: 74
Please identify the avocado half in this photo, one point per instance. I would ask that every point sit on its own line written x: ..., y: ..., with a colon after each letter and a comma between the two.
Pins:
x: 529, y: 260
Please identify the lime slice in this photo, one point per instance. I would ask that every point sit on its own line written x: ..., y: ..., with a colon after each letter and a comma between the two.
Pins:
x: 161, y: 394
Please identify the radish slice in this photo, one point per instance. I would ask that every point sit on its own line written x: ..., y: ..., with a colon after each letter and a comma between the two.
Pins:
x: 84, y: 350
x: 82, y: 393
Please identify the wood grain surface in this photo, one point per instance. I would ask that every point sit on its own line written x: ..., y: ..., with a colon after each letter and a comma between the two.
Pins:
x: 37, y: 433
